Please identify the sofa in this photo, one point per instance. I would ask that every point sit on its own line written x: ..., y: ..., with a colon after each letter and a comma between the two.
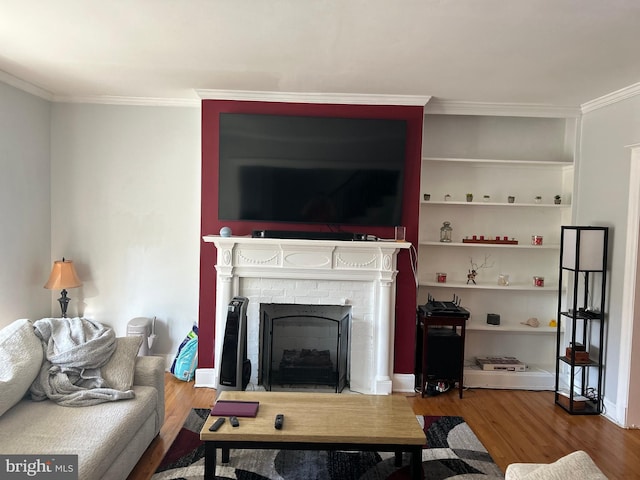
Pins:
x: 108, y: 437
x: 574, y: 466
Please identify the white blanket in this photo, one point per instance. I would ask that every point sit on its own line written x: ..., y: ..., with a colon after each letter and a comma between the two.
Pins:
x: 75, y: 349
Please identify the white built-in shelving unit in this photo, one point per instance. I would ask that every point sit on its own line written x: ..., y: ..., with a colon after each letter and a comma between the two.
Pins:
x: 498, y: 155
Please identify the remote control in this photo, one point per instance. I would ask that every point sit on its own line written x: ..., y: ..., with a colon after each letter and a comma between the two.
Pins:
x: 216, y: 425
x: 233, y: 420
x: 279, y: 421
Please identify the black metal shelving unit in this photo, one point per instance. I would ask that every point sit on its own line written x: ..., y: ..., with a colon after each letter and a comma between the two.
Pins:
x: 583, y: 267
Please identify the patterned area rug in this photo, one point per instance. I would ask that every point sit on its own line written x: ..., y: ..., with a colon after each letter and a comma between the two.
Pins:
x: 452, y: 451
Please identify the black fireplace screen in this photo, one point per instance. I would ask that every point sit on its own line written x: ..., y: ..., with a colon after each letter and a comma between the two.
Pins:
x: 304, y: 348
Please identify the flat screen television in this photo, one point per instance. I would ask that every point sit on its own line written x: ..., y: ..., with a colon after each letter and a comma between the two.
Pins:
x: 318, y: 170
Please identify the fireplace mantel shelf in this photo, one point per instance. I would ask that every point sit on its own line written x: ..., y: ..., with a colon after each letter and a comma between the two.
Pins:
x: 247, y: 239
x: 354, y: 260
x: 367, y: 269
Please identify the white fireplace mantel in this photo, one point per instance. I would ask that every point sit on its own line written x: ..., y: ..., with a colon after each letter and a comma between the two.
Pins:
x: 367, y: 270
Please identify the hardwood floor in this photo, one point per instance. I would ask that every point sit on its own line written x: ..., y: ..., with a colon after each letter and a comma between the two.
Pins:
x: 514, y: 426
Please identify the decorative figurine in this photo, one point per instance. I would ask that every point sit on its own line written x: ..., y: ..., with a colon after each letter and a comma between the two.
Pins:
x: 473, y: 272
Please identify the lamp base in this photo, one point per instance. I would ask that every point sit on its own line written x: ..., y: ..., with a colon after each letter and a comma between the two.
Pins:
x: 64, y: 302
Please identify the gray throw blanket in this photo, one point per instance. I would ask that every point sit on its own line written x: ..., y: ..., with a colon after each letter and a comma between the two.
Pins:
x: 75, y: 349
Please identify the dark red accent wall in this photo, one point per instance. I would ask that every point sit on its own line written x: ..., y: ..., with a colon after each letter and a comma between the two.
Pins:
x: 210, y: 225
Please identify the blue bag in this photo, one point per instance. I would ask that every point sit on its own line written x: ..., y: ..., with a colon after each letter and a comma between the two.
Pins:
x: 188, y: 360
x: 184, y: 367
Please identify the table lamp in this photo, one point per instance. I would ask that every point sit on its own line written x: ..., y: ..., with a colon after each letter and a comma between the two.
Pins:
x: 63, y: 276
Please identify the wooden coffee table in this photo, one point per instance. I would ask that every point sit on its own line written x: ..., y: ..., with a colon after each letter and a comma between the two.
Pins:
x: 319, y: 421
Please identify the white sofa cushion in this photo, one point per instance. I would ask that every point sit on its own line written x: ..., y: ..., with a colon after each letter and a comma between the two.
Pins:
x: 575, y: 466
x: 119, y: 370
x: 99, y: 434
x: 20, y: 360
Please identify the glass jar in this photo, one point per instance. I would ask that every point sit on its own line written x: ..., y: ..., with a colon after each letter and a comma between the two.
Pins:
x: 445, y: 232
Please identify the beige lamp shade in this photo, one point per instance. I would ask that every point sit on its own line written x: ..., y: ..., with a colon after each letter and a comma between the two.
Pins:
x: 63, y: 275
x: 584, y: 248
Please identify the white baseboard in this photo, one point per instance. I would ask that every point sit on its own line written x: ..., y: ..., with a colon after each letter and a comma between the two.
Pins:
x: 404, y: 382
x: 206, y: 377
x: 609, y: 412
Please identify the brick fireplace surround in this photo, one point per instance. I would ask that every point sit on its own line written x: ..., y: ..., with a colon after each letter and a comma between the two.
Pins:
x: 360, y: 274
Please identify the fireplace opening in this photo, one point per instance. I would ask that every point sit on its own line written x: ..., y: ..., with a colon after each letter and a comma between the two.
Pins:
x: 304, y: 345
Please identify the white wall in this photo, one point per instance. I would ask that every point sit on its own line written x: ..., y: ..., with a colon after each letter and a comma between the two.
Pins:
x: 25, y: 208
x: 602, y: 199
x: 126, y: 196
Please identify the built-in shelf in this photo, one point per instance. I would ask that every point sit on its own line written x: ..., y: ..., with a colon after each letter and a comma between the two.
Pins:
x: 553, y: 288
x: 519, y: 165
x: 493, y: 245
x: 503, y: 162
x: 535, y: 377
x: 480, y: 203
x: 510, y: 328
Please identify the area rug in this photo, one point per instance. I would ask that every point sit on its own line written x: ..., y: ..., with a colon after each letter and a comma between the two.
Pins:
x: 452, y: 451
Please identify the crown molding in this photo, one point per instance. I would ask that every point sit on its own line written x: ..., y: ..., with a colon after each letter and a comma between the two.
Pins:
x: 304, y: 97
x: 130, y: 101
x: 97, y: 99
x: 25, y: 86
x: 454, y: 107
x: 611, y: 98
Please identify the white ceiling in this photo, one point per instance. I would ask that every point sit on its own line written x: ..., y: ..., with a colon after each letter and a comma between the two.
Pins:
x: 552, y: 52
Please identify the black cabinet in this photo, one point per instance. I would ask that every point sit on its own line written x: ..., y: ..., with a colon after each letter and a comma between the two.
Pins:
x: 440, y: 350
x: 581, y: 316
